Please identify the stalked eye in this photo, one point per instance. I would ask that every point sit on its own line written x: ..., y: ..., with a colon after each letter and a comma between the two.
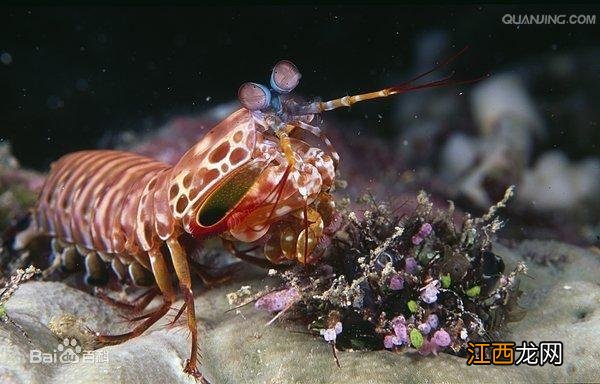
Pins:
x: 285, y: 77
x: 254, y: 96
x: 227, y: 196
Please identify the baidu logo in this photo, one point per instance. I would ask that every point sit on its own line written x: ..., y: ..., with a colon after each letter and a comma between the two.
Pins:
x: 68, y: 351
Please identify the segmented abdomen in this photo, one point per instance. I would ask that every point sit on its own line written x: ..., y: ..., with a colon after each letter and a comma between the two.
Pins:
x: 103, y: 200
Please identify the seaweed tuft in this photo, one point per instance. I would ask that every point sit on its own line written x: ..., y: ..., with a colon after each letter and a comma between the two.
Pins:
x: 415, y: 281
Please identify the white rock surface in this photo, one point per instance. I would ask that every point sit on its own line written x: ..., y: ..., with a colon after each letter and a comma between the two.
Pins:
x: 502, y: 96
x: 555, y: 183
x: 562, y: 295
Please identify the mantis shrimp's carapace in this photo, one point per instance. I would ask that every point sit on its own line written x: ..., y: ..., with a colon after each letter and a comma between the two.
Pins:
x: 250, y: 179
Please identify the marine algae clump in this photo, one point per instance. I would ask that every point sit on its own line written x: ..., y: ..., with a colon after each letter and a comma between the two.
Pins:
x: 422, y: 281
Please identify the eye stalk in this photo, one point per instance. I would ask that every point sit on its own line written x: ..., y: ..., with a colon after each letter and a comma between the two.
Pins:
x: 285, y: 77
x: 254, y: 96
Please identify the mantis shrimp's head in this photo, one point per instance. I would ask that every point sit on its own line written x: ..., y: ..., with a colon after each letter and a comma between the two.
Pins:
x: 239, y: 182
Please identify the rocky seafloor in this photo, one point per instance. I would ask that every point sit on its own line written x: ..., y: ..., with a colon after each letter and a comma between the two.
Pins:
x: 562, y: 302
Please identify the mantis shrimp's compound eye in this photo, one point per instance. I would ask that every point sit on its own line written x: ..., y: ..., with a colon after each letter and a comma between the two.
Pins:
x: 254, y: 96
x: 226, y: 197
x: 285, y: 77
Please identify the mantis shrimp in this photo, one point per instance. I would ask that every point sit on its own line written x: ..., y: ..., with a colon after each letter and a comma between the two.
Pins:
x: 250, y: 179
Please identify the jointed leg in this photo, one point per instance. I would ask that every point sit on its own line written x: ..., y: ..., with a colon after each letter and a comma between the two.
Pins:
x: 243, y: 255
x: 182, y: 269
x: 316, y: 131
x: 163, y: 280
x: 136, y: 305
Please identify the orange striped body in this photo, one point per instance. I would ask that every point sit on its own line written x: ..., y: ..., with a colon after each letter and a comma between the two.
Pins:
x: 90, y: 198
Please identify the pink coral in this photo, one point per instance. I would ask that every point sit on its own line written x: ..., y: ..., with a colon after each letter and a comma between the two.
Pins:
x: 433, y: 321
x: 399, y: 325
x: 424, y: 328
x: 442, y: 338
x: 410, y: 265
x: 400, y: 335
x: 396, y: 283
x: 278, y: 300
x: 330, y: 334
x: 388, y: 341
x: 430, y: 291
x: 424, y: 231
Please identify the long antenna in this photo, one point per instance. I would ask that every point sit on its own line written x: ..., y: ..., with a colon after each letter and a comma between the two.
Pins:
x: 407, y: 86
